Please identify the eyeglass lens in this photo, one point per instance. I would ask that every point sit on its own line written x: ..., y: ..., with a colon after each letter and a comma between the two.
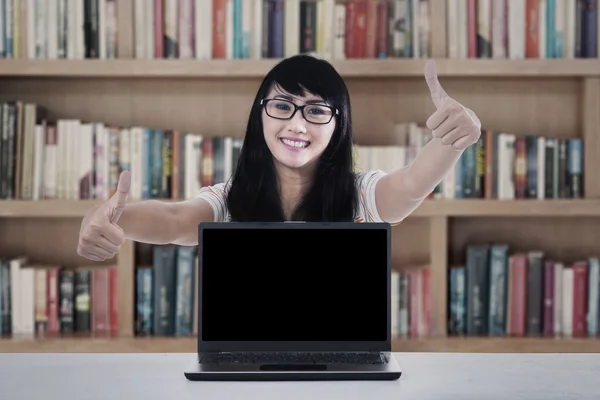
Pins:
x: 312, y: 112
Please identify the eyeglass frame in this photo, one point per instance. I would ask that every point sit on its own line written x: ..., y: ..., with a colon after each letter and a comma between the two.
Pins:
x: 264, y: 103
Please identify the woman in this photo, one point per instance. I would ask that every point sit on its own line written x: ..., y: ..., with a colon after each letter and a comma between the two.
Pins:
x: 295, y: 164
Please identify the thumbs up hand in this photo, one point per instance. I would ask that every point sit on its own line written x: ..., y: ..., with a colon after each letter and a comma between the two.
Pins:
x: 100, y: 238
x: 456, y: 125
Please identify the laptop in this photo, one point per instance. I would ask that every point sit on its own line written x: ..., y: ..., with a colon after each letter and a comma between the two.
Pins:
x: 294, y: 301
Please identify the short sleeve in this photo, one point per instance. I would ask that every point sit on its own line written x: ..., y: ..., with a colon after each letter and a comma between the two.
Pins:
x: 217, y: 198
x: 366, y: 183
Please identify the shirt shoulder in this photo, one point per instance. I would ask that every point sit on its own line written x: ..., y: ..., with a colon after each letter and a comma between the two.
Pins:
x: 216, y: 196
x: 365, y: 185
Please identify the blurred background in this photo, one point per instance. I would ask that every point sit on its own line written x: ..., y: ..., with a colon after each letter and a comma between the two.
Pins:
x: 502, y: 257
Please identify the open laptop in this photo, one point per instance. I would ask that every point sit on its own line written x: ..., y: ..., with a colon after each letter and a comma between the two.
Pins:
x: 294, y: 301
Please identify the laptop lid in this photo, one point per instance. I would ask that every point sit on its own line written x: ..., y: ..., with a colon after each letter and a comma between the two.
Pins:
x: 294, y: 287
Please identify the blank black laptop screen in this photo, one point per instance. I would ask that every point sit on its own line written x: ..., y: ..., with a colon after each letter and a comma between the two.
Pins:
x: 294, y: 285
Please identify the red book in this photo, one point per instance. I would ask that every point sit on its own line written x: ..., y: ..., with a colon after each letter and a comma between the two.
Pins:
x: 580, y: 295
x: 518, y: 296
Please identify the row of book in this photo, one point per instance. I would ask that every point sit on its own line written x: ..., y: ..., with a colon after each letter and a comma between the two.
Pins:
x: 255, y: 29
x: 499, y: 292
x: 242, y: 29
x: 411, y: 301
x: 505, y: 166
x: 173, y: 272
x: 59, y: 29
x: 501, y: 165
x: 39, y: 300
x: 519, y: 29
x: 71, y: 159
x: 166, y: 293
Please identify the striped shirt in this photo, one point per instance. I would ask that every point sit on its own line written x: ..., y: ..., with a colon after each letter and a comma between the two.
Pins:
x: 365, y: 184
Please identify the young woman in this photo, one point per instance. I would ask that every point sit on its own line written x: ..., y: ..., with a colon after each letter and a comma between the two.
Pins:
x: 296, y: 164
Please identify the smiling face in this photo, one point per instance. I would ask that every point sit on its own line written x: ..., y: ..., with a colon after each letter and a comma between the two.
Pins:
x: 296, y: 143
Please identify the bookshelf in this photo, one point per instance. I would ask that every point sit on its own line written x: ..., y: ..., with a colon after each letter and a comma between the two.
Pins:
x: 556, y: 98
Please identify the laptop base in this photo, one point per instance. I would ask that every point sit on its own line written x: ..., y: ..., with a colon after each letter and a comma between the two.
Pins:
x: 294, y: 372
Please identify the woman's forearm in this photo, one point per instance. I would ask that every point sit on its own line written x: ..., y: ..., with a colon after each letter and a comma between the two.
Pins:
x: 429, y: 168
x: 149, y: 221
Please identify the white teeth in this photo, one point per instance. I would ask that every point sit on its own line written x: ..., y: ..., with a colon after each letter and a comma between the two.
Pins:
x: 294, y: 143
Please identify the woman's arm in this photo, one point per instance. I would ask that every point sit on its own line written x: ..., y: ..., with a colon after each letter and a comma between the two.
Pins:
x: 454, y: 128
x: 163, y: 222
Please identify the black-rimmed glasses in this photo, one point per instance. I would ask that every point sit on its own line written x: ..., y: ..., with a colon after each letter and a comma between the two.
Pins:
x: 313, y: 113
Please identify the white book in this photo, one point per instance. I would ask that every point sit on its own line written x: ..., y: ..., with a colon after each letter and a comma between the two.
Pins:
x: 148, y: 31
x: 102, y: 29
x: 328, y: 28
x: 291, y: 14
x: 185, y: 29
x: 203, y: 29
x: 570, y: 28
x: 27, y: 300
x: 506, y: 156
x: 193, y: 162
x: 542, y: 29
x: 339, y: 39
x: 453, y: 28
x: 258, y: 28
x: 498, y: 29
x: 140, y: 30
x: 136, y: 158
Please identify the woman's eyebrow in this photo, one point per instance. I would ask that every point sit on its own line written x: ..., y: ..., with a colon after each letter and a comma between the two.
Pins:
x: 310, y: 101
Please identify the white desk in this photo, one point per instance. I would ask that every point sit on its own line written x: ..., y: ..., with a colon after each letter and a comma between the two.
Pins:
x: 426, y: 376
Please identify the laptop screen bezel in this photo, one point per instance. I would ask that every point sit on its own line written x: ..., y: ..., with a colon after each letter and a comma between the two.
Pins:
x: 228, y: 346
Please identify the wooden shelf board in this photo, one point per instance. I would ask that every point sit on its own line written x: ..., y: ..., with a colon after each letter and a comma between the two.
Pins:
x: 429, y: 208
x: 517, y: 208
x: 45, y: 208
x: 188, y: 345
x: 368, y: 68
x: 500, y: 345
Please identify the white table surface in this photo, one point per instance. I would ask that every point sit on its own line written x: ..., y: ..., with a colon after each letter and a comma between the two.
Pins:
x: 425, y: 376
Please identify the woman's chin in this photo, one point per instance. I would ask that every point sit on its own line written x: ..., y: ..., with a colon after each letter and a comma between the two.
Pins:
x: 294, y: 161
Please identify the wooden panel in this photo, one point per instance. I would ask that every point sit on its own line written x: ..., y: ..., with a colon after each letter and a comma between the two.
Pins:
x: 591, y: 136
x: 44, y: 240
x: 410, y: 244
x: 562, y: 239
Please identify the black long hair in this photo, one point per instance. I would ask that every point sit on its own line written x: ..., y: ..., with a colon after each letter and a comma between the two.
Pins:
x: 254, y: 193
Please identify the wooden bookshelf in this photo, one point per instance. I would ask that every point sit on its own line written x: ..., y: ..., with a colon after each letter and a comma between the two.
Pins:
x: 429, y: 208
x: 188, y: 345
x: 557, y: 98
x: 251, y: 68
